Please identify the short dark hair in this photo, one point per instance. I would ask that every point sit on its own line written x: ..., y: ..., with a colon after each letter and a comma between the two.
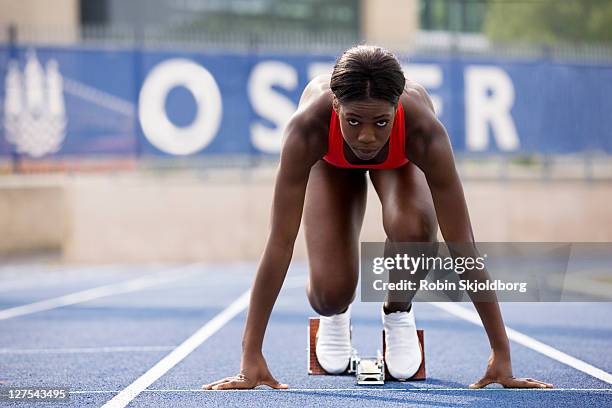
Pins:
x: 367, y: 71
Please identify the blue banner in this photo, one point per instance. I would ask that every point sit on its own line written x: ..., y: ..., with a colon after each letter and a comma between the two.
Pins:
x: 70, y: 102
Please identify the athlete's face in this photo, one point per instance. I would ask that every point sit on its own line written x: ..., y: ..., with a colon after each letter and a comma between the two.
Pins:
x: 366, y: 125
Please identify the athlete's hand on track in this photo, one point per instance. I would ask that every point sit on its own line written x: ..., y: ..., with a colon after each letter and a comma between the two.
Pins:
x: 499, y: 371
x: 253, y: 372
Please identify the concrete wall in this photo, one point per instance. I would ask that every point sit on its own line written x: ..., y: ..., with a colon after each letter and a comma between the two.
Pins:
x: 390, y: 23
x: 32, y: 218
x: 47, y: 21
x: 141, y: 219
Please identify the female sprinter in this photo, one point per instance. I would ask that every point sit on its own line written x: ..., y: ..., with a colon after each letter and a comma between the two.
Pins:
x: 383, y: 125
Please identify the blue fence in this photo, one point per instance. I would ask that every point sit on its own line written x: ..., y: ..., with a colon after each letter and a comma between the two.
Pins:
x: 70, y: 101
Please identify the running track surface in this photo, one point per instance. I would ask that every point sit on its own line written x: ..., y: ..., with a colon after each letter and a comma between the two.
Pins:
x: 151, y: 335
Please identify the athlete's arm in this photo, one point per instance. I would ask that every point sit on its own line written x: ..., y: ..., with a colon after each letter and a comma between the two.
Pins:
x: 300, y: 151
x: 429, y: 147
x: 298, y: 155
x: 288, y: 202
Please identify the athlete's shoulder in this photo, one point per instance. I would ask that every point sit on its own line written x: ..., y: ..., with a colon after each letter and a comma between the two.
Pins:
x: 316, y: 100
x: 313, y: 113
x: 415, y: 98
x: 423, y: 129
x: 308, y: 128
x: 418, y: 107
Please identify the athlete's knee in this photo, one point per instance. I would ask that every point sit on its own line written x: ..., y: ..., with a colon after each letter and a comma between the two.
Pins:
x: 328, y: 301
x: 411, y: 227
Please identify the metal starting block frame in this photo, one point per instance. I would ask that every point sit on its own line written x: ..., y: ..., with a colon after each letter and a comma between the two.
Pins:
x: 367, y: 370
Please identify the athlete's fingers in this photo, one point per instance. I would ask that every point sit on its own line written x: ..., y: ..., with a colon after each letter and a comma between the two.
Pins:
x: 212, y: 384
x: 483, y: 382
x: 539, y: 382
x: 225, y: 386
x: 548, y: 385
x: 542, y: 384
x: 234, y: 384
x: 520, y: 383
x: 215, y: 387
x: 272, y: 383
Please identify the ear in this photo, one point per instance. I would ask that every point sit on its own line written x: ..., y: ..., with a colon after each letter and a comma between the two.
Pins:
x: 336, y: 105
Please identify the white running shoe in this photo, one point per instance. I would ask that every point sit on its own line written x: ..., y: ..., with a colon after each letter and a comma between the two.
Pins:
x: 334, y: 342
x: 403, y: 350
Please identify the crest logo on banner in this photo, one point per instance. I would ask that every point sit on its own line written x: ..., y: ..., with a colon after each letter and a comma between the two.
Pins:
x: 34, y: 108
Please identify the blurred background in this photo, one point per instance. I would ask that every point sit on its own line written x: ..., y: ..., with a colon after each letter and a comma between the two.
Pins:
x: 149, y: 130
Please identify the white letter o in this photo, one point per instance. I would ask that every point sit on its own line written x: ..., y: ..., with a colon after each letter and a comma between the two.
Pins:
x: 158, y: 129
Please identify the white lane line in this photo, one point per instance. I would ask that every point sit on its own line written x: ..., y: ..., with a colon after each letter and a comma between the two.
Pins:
x: 95, y: 293
x: 529, y: 342
x: 371, y: 389
x: 74, y: 350
x: 193, y: 342
x: 179, y: 353
x: 48, y: 278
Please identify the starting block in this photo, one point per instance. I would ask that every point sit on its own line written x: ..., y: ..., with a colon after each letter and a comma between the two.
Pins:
x: 368, y: 370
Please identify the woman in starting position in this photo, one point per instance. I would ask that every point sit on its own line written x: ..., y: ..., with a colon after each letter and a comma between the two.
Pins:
x: 383, y: 125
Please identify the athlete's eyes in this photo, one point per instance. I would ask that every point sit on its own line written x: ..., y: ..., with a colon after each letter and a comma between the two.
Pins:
x: 380, y: 123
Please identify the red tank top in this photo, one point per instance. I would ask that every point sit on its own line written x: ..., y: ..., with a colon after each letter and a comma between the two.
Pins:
x: 395, y: 158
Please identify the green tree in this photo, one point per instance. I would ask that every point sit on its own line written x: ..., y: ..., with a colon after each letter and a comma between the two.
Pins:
x: 549, y: 21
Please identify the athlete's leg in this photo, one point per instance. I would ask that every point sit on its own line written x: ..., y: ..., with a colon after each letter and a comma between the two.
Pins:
x: 408, y: 216
x: 333, y: 214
